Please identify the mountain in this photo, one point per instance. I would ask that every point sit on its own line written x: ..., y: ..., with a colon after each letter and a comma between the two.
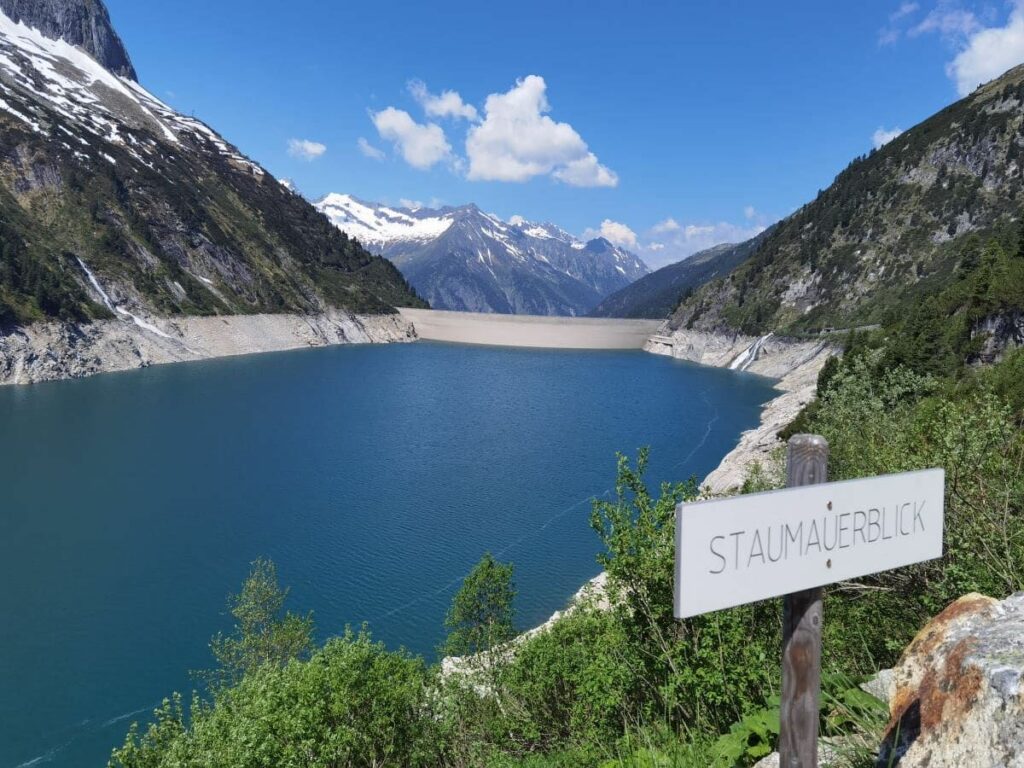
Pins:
x: 895, y: 225
x: 467, y: 260
x: 114, y: 204
x: 82, y: 23
x: 656, y: 295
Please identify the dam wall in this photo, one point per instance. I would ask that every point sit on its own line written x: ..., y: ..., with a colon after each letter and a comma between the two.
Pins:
x: 530, y: 330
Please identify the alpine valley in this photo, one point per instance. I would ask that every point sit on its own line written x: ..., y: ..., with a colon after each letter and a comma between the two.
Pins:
x: 465, y: 259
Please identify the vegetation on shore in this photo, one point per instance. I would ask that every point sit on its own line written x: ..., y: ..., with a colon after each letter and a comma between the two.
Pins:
x: 630, y: 685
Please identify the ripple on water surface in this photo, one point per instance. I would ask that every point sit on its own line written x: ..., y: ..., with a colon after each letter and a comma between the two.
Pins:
x: 374, y: 476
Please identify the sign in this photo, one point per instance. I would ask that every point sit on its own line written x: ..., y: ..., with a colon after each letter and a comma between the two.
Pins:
x: 747, y: 548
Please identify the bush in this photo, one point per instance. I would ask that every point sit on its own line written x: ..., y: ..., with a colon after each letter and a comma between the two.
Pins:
x: 353, y: 704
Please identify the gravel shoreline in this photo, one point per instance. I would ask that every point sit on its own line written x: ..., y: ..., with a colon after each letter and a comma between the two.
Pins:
x: 49, y: 351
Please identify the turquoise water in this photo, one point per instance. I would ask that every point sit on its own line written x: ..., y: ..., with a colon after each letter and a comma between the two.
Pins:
x: 131, y: 504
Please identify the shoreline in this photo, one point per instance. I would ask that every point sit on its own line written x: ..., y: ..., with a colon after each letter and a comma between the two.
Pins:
x: 793, y: 364
x: 53, y: 351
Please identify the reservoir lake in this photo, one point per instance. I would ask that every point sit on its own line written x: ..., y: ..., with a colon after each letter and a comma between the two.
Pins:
x: 375, y: 477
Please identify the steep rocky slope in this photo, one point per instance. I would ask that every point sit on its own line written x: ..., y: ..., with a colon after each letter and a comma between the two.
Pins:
x: 83, y: 23
x: 114, y: 205
x: 891, y: 226
x: 467, y: 260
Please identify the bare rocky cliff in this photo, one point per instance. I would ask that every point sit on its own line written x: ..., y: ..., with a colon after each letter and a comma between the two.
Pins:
x: 83, y: 23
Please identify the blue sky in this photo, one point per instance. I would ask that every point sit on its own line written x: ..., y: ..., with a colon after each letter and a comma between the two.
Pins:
x: 666, y: 125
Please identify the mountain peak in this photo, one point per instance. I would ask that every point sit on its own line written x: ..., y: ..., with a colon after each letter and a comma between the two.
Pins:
x: 82, y: 23
x: 464, y: 258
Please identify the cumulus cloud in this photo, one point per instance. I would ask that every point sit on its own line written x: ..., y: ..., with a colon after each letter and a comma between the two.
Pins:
x: 422, y: 146
x: 983, y: 52
x: 304, y: 149
x: 446, y: 104
x: 369, y: 150
x: 517, y: 141
x: 883, y: 136
x: 615, y: 233
x: 988, y: 53
x: 668, y: 225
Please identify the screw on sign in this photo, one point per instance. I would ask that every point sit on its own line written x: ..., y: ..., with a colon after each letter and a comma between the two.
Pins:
x: 793, y: 542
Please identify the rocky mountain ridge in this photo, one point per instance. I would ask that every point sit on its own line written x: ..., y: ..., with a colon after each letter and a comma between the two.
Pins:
x: 461, y: 258
x: 891, y: 226
x: 82, y: 23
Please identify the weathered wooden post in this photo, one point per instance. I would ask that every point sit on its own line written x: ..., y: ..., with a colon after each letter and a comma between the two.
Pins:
x: 806, y: 464
x: 739, y: 549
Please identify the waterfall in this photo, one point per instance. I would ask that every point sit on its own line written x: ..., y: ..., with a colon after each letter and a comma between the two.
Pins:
x: 747, y: 357
x: 96, y: 285
x: 118, y: 310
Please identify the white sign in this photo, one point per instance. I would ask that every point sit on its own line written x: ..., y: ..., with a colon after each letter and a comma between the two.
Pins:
x: 738, y: 550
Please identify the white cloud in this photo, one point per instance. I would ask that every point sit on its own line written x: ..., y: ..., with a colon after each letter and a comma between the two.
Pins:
x: 517, y: 141
x: 446, y: 104
x: 668, y: 225
x: 304, y: 149
x: 517, y: 221
x: 586, y: 172
x: 414, y: 205
x: 949, y: 21
x: 883, y: 136
x: 750, y: 212
x: 676, y: 245
x: 422, y: 146
x: 615, y: 233
x: 988, y: 53
x: 369, y: 150
x: 904, y: 10
x: 894, y: 29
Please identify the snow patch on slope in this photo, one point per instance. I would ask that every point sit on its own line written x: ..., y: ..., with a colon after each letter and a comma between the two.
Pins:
x: 78, y: 89
x: 381, y: 225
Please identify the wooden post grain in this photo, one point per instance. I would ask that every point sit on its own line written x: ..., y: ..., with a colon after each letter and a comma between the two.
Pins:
x: 806, y: 464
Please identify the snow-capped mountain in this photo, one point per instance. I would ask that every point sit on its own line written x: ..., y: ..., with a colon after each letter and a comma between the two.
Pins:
x: 465, y: 259
x: 114, y: 204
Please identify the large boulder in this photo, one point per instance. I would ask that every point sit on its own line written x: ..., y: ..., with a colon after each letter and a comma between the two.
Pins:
x: 956, y: 697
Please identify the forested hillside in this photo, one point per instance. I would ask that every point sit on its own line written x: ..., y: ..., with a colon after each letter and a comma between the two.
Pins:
x: 657, y: 295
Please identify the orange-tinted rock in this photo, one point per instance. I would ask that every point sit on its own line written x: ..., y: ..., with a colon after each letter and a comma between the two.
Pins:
x: 956, y: 696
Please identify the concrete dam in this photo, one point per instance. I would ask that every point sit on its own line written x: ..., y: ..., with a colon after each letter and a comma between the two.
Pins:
x: 530, y: 330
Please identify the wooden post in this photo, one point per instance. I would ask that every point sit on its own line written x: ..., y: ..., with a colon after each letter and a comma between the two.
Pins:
x: 806, y: 464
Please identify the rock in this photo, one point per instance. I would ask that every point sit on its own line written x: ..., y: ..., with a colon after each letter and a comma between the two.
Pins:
x: 956, y: 695
x: 880, y: 685
x: 83, y: 23
x: 48, y: 351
